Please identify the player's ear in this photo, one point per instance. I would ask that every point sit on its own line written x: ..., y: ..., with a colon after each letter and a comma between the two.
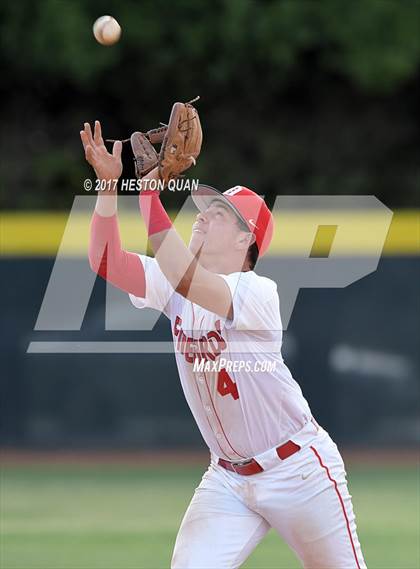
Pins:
x: 252, y: 239
x: 245, y: 240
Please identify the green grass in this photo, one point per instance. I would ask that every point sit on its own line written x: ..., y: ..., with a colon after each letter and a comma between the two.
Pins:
x: 120, y: 517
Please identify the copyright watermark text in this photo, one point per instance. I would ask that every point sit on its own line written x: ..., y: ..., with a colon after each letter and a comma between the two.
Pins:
x: 135, y: 185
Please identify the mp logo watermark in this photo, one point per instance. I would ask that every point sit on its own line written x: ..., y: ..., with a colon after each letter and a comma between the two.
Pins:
x: 319, y: 242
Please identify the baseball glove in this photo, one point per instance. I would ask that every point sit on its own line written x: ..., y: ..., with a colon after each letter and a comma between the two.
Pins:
x: 145, y: 156
x: 182, y: 141
x: 181, y: 144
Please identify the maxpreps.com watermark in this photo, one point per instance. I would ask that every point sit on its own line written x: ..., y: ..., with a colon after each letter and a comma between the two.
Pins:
x: 201, y: 365
x: 137, y: 184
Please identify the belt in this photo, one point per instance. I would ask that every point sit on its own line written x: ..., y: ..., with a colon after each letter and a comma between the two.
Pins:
x: 251, y: 466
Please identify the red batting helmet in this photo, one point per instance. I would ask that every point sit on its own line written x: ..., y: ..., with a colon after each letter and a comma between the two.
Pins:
x: 248, y: 206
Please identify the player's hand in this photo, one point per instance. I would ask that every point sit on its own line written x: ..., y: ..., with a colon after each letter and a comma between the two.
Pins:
x: 107, y: 166
x: 152, y: 175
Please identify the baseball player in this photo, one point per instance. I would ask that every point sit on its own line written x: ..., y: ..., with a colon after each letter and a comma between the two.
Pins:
x: 271, y: 465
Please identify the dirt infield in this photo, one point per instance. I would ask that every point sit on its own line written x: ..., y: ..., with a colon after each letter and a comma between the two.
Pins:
x: 173, y: 458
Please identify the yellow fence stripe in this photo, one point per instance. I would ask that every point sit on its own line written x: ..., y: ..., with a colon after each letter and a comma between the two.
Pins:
x: 41, y: 233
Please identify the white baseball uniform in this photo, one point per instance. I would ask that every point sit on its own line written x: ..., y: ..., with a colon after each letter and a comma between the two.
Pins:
x: 246, y: 403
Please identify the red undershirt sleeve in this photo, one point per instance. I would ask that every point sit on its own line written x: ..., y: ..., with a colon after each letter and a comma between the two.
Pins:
x: 154, y: 215
x: 107, y: 258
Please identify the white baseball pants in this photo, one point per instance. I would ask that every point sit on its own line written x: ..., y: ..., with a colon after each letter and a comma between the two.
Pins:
x: 304, y: 498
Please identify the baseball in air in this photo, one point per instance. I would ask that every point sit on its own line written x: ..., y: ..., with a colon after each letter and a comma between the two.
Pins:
x: 107, y: 30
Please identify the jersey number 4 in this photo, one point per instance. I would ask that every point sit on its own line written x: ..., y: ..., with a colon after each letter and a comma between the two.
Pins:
x: 225, y: 385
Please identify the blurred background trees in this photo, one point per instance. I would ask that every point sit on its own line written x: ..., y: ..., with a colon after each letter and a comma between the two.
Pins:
x: 298, y: 96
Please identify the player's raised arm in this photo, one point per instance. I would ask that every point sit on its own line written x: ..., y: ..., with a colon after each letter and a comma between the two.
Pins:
x: 188, y: 276
x: 106, y: 256
x: 177, y: 262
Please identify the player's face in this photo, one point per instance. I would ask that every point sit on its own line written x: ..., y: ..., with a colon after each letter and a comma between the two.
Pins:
x: 215, y: 229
